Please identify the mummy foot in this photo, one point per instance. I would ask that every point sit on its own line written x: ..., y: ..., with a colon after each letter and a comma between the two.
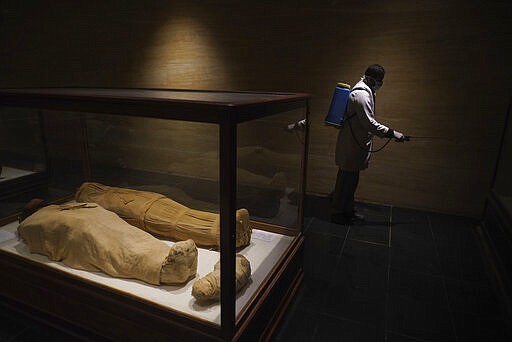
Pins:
x: 181, y: 264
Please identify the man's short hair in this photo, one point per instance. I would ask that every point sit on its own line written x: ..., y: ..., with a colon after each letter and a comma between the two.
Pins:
x: 376, y: 71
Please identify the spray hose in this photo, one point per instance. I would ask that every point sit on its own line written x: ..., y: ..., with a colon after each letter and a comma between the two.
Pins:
x: 364, y: 149
x: 405, y: 138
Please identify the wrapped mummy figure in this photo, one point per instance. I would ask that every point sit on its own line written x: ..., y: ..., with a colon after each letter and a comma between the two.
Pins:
x: 208, y: 287
x: 162, y: 216
x: 85, y: 236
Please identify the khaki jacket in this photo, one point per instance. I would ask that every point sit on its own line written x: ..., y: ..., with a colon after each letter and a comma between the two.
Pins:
x: 355, y: 136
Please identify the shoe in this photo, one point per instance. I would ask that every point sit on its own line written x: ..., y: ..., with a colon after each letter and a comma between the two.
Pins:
x: 356, y: 217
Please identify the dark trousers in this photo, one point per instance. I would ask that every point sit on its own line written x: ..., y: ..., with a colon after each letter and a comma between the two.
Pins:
x: 343, y: 195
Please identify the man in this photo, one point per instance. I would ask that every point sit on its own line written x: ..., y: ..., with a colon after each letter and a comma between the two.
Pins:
x: 354, y: 144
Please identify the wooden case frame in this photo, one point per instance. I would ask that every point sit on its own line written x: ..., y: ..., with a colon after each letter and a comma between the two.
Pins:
x: 89, y: 310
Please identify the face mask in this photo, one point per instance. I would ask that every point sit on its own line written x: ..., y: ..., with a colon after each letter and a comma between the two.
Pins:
x: 377, y: 85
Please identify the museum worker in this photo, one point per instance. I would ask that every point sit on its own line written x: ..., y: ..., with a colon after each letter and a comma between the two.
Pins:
x: 354, y: 144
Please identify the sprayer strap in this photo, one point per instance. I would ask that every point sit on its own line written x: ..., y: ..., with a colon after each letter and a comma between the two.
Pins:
x: 358, y: 88
x: 361, y: 88
x: 350, y: 117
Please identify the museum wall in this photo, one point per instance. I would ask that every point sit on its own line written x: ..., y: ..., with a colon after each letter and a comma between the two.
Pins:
x: 446, y: 61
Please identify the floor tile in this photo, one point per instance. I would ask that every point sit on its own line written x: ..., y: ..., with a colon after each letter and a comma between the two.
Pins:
x: 312, y: 294
x: 352, y: 304
x: 418, y: 287
x: 419, y: 319
x: 298, y: 325
x: 374, y: 210
x: 363, y: 280
x: 338, y: 329
x: 421, y: 260
x: 321, y: 254
x: 410, y: 231
x: 457, y: 234
x: 394, y: 337
x: 452, y: 228
x: 374, y: 219
x: 326, y: 227
x: 362, y: 252
x: 471, y: 327
x: 461, y: 262
x: 408, y: 216
x: 412, y: 242
x: 368, y: 233
x: 474, y: 297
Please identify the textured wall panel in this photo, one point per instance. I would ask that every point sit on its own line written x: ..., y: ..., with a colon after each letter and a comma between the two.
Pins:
x: 447, y: 72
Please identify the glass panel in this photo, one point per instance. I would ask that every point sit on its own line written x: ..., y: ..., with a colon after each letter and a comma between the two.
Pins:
x: 20, y: 143
x: 269, y: 160
x: 22, y: 158
x: 269, y: 156
x: 503, y: 183
x: 65, y: 150
x: 175, y: 158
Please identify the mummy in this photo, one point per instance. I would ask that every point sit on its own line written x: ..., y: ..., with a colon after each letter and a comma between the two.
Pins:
x: 208, y: 287
x: 162, y: 216
x: 87, y: 237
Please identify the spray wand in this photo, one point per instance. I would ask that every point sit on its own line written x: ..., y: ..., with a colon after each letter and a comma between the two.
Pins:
x: 409, y: 137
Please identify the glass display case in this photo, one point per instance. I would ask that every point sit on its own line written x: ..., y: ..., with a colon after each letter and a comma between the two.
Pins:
x: 497, y: 217
x: 502, y: 186
x: 224, y: 169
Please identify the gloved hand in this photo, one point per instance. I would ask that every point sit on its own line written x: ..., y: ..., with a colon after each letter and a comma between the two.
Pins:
x: 399, y: 137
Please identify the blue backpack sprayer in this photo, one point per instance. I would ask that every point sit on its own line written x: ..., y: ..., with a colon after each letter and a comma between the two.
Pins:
x: 337, y: 111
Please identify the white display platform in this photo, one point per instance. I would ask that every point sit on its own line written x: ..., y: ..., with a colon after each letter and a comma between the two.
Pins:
x: 264, y: 251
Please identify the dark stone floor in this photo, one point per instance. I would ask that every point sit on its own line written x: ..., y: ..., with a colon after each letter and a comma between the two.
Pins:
x: 404, y: 275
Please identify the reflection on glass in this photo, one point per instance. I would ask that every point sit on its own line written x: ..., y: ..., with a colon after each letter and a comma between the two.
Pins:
x: 269, y: 161
x: 269, y: 165
x: 503, y: 183
x: 174, y: 158
x: 21, y: 147
x: 22, y: 158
